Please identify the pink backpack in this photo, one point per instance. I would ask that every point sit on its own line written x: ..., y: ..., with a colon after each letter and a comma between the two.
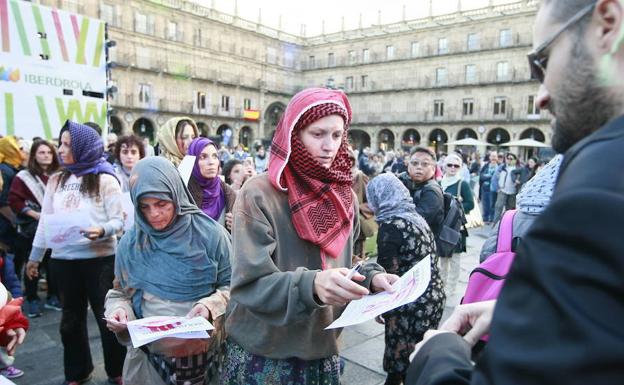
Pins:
x: 487, y: 279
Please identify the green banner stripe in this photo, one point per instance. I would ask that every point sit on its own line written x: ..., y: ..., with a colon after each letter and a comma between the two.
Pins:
x: 47, y: 132
x: 99, y: 46
x: 10, y: 121
x: 41, y: 28
x: 20, y: 28
x: 84, y: 31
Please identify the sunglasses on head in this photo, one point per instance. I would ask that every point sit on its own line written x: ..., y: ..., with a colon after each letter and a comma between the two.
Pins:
x: 538, y: 59
x: 452, y: 165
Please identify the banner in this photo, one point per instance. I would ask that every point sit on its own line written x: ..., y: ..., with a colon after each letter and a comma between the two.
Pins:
x: 52, y: 68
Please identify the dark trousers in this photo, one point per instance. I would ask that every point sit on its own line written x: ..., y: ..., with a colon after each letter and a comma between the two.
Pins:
x: 487, y: 200
x: 80, y: 281
x: 32, y: 285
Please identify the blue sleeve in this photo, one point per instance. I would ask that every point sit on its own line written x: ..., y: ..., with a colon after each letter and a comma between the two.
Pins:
x: 9, y: 278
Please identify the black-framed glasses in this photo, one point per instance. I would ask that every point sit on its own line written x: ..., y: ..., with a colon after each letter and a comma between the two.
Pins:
x: 538, y: 60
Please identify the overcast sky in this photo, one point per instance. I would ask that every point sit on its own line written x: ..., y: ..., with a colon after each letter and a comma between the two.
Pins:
x: 312, y: 13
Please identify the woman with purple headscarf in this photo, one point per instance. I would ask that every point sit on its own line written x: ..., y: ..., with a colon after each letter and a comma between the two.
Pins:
x: 211, y: 194
x: 80, y: 216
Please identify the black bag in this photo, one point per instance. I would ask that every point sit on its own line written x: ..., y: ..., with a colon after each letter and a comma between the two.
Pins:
x: 26, y: 225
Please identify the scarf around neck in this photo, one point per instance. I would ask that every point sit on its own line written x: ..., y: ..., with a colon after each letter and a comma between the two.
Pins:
x: 167, y: 139
x: 180, y: 262
x: 213, y: 196
x: 88, y: 151
x: 320, y: 199
x: 447, y: 181
x: 10, y: 152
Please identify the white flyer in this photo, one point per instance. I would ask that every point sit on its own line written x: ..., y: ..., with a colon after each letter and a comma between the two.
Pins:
x: 186, y: 168
x: 128, y: 209
x: 5, y: 381
x: 149, y: 329
x: 62, y: 229
x: 406, y: 290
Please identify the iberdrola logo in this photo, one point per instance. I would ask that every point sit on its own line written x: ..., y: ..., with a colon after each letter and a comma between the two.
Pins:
x: 9, y: 75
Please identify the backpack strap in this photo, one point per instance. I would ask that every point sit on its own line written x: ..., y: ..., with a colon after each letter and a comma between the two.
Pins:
x: 505, y: 232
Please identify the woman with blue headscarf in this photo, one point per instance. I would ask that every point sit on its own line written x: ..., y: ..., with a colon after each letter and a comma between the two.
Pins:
x: 175, y: 261
x: 82, y: 259
x: 403, y: 240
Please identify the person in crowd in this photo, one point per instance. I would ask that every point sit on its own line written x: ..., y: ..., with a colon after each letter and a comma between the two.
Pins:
x: 249, y: 168
x: 403, y: 240
x: 485, y: 187
x: 474, y: 168
x: 175, y: 137
x: 11, y: 159
x: 175, y: 261
x: 558, y: 318
x: 507, y: 187
x: 26, y: 198
x: 13, y: 326
x: 83, y: 269
x: 288, y: 278
x: 426, y: 192
x: 224, y: 154
x: 261, y: 160
x: 453, y: 184
x: 147, y: 147
x: 364, y: 162
x: 109, y: 153
x: 24, y: 146
x: 390, y: 158
x: 211, y: 194
x: 401, y: 163
x: 240, y: 153
x: 531, y: 202
x: 234, y: 174
x: 128, y: 151
x: 368, y: 227
x: 525, y: 173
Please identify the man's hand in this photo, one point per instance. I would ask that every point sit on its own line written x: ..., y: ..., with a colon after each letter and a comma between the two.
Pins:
x: 16, y: 338
x: 471, y: 320
x: 32, y: 269
x: 229, y: 220
x: 333, y: 288
x: 117, y: 321
x: 383, y: 282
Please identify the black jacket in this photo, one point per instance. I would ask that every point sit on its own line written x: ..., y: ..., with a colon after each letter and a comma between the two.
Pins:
x: 559, y: 316
x: 430, y: 204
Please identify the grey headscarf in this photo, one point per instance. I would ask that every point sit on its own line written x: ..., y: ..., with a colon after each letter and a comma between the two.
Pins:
x: 536, y: 193
x: 185, y: 261
x: 390, y: 199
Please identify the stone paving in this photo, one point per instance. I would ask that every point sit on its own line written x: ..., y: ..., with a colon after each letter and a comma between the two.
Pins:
x: 41, y: 355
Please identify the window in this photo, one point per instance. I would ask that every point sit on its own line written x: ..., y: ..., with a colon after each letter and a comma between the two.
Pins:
x: 201, y: 100
x: 172, y: 30
x: 312, y: 62
x: 247, y: 104
x: 107, y: 13
x: 389, y: 52
x: 289, y: 59
x: 271, y: 55
x: 349, y: 83
x: 197, y: 37
x: 500, y: 105
x: 468, y: 107
x: 441, y: 79
x: 352, y: 57
x: 438, y: 108
x: 365, y: 55
x: 502, y: 71
x: 415, y: 49
x: 140, y: 23
x: 505, y: 38
x: 532, y: 108
x: 225, y: 103
x: 331, y: 60
x: 364, y: 81
x: 145, y: 93
x: 473, y: 41
x: 471, y: 73
x: 442, y: 46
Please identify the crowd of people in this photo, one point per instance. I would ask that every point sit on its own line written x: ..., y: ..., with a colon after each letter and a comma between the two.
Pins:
x: 261, y: 244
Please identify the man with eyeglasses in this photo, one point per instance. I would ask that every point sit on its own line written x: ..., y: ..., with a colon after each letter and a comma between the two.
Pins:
x: 507, y: 188
x: 426, y: 192
x: 558, y: 319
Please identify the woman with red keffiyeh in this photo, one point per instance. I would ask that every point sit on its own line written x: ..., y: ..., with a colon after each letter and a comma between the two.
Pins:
x: 293, y: 234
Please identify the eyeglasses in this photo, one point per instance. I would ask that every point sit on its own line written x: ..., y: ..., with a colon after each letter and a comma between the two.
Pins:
x: 417, y: 163
x: 453, y: 165
x: 511, y: 158
x: 538, y: 60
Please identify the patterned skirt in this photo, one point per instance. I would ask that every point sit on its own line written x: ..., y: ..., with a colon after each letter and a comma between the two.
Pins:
x: 241, y: 367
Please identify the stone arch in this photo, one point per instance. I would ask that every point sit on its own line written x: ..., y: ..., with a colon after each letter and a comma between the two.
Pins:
x: 497, y: 136
x: 245, y: 136
x: 533, y: 133
x: 144, y: 127
x: 438, y: 139
x: 273, y: 114
x: 204, y: 129
x: 225, y: 135
x: 385, y: 139
x: 410, y: 138
x: 465, y: 133
x: 358, y: 139
x: 115, y: 125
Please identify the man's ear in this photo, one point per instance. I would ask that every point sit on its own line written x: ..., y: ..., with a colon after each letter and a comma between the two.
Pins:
x: 609, y: 15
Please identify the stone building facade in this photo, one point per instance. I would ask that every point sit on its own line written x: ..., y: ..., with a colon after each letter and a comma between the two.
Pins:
x: 429, y: 81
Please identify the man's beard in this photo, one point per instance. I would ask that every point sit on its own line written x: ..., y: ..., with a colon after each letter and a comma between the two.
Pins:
x: 580, y: 104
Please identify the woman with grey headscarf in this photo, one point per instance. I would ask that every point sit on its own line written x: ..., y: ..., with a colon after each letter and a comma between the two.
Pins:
x: 403, y: 240
x: 531, y: 202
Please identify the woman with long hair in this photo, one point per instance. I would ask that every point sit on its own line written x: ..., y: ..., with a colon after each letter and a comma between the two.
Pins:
x: 26, y: 199
x: 88, y: 191
x: 175, y: 137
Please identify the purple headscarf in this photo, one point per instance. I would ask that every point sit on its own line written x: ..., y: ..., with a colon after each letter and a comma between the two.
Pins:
x: 213, y: 199
x: 88, y: 151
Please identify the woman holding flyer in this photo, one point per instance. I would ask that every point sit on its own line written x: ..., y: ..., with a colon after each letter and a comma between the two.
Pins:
x: 403, y: 240
x: 175, y: 261
x: 80, y: 216
x: 293, y: 240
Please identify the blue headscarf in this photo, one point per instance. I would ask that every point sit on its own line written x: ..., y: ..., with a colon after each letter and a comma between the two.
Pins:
x: 87, y: 149
x: 188, y: 259
x: 390, y: 199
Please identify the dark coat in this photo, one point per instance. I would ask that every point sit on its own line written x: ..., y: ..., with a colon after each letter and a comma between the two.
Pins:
x: 429, y: 203
x: 559, y: 316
